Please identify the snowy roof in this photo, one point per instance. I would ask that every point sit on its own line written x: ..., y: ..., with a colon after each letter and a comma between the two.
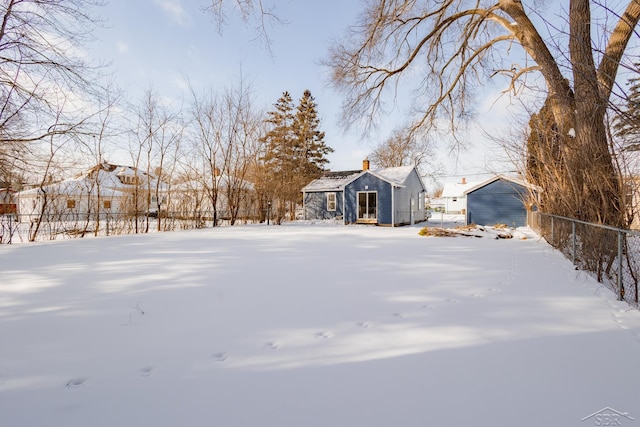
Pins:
x: 108, y: 177
x: 456, y: 189
x: 397, y: 175
x: 507, y: 178
x: 335, y: 181
x: 222, y: 181
x: 332, y: 181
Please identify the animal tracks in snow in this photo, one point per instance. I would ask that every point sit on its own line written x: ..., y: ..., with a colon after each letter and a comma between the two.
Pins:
x: 324, y: 334
x: 76, y: 382
x: 146, y: 371
x: 220, y: 357
x: 272, y: 345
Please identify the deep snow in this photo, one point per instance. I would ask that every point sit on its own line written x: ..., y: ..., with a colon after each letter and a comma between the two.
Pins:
x: 309, y: 325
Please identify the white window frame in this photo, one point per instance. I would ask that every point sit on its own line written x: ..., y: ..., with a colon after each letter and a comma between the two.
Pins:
x: 333, y: 202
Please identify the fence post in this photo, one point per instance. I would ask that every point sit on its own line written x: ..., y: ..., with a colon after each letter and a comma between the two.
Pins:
x: 573, y: 243
x: 552, y: 236
x: 620, y: 283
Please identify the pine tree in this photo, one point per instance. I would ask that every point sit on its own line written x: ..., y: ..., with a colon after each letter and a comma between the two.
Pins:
x: 310, y: 140
x: 295, y: 151
x: 279, y: 157
x: 627, y: 122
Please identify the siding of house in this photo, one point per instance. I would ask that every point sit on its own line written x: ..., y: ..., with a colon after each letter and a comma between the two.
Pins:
x: 407, y: 200
x: 315, y: 205
x: 368, y: 182
x: 499, y: 202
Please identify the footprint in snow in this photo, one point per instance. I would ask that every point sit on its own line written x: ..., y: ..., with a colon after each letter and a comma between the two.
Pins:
x: 220, y: 357
x: 324, y: 334
x: 400, y: 315
x: 452, y: 301
x: 272, y: 345
x: 364, y: 324
x: 494, y: 289
x: 428, y: 307
x: 146, y: 371
x: 477, y: 295
x: 618, y: 320
x: 76, y: 382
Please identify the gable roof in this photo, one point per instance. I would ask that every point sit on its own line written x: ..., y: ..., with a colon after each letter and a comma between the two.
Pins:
x: 221, y: 181
x: 456, y: 189
x: 396, y: 175
x: 112, y: 179
x: 336, y: 181
x: 516, y: 181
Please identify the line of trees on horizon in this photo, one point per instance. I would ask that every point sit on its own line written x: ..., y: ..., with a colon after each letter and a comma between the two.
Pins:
x: 560, y: 64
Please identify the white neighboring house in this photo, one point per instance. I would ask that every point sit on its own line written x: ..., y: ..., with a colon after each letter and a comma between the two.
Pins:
x: 103, y: 189
x: 192, y: 199
x: 453, y: 199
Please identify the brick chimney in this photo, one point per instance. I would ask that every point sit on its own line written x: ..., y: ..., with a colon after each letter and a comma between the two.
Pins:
x: 464, y: 181
x: 365, y: 165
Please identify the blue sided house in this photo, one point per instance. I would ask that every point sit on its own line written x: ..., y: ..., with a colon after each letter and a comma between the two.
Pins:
x: 391, y: 196
x: 500, y: 200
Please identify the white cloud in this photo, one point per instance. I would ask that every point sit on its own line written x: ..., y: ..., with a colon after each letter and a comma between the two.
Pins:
x: 175, y: 10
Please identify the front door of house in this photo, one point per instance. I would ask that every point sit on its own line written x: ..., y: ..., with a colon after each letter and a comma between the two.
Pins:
x: 368, y: 206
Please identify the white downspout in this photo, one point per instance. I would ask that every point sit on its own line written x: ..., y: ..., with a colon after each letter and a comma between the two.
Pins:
x: 393, y: 206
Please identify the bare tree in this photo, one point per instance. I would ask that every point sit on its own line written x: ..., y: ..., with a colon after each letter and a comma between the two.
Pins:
x: 402, y: 148
x: 42, y: 72
x: 258, y: 14
x: 455, y: 45
x: 241, y: 142
x: 206, y: 137
x: 227, y: 131
x: 156, y: 143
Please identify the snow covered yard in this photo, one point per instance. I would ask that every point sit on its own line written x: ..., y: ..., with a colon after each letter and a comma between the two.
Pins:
x: 309, y: 325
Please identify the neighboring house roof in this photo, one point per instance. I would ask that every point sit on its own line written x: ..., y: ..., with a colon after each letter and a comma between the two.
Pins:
x: 222, y: 181
x: 336, y: 181
x: 456, y: 189
x: 112, y: 179
x: 506, y: 178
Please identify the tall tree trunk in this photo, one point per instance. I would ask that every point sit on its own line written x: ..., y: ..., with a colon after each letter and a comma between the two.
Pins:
x: 593, y: 174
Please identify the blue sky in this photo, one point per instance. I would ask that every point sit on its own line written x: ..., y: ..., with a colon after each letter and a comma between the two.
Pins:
x: 160, y: 44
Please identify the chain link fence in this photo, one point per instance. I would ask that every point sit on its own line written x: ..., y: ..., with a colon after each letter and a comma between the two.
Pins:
x: 15, y: 228
x: 611, y: 255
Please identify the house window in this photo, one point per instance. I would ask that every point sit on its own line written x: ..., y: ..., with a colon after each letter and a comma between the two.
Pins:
x: 331, y: 202
x: 455, y: 199
x: 107, y: 204
x: 71, y: 204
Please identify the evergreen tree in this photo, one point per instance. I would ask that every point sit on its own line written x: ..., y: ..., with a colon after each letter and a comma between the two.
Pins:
x: 279, y: 156
x: 627, y: 122
x: 310, y: 140
x: 295, y: 152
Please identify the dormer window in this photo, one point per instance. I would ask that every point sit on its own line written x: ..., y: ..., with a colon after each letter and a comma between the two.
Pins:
x: 129, y: 179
